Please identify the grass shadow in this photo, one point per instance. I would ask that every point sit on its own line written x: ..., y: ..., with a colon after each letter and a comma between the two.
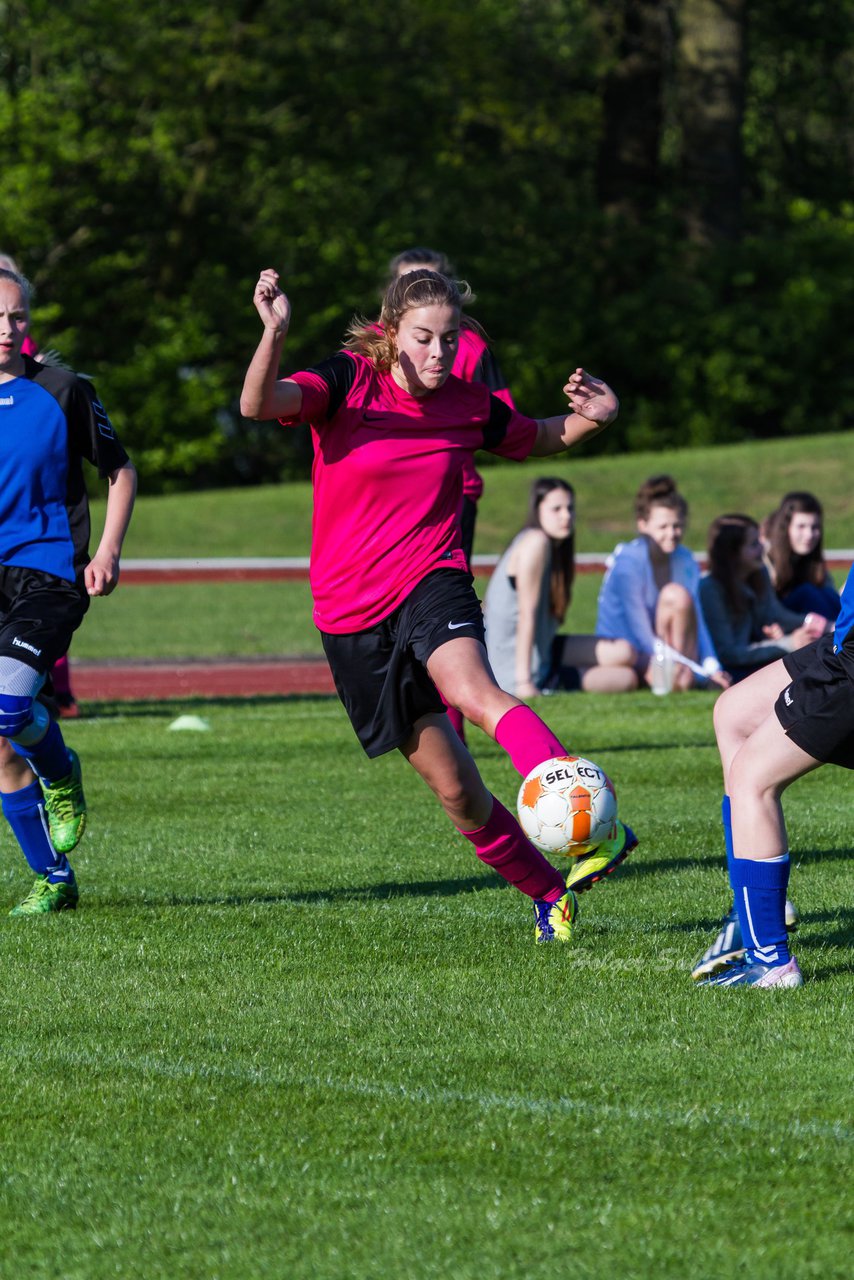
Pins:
x: 382, y: 892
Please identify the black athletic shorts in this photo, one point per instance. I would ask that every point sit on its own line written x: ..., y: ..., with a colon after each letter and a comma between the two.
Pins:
x: 381, y: 674
x: 817, y: 708
x: 38, y: 615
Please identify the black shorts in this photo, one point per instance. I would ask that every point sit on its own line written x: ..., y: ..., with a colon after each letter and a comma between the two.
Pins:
x: 817, y: 708
x: 381, y: 674
x: 38, y: 616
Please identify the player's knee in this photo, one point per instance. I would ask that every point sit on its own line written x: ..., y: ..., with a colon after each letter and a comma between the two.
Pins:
x: 675, y: 598
x: 22, y: 719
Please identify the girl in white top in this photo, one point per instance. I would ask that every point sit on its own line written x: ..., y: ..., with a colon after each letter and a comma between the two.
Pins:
x: 650, y: 590
x: 526, y: 602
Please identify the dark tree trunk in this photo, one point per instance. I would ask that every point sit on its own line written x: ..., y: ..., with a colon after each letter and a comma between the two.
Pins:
x: 628, y: 167
x: 711, y: 74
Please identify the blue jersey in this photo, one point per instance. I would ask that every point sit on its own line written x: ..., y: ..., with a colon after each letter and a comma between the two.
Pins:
x: 50, y: 420
x: 845, y: 620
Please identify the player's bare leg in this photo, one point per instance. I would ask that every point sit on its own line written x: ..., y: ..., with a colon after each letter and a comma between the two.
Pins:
x: 436, y: 753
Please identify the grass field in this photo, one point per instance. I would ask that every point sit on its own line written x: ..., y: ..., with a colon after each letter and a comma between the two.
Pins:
x: 296, y: 1031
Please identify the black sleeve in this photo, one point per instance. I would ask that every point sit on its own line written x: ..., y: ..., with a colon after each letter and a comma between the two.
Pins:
x: 488, y: 371
x: 495, y: 428
x: 337, y: 372
x: 90, y: 432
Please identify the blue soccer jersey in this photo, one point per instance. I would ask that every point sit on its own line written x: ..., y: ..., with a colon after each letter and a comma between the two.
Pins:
x: 845, y: 621
x: 50, y: 420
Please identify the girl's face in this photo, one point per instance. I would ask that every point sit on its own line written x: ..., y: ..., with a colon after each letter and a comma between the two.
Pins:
x: 664, y: 526
x: 556, y: 514
x: 750, y: 556
x: 14, y: 321
x: 804, y: 532
x: 426, y: 341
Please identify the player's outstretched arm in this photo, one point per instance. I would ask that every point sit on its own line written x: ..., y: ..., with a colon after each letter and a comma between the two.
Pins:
x: 263, y: 396
x: 594, y: 406
x: 101, y: 574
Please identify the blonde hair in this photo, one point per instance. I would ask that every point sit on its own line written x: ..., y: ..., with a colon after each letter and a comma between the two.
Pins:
x: 6, y: 273
x: 375, y: 340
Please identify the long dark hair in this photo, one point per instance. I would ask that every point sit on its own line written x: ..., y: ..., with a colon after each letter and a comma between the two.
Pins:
x: 562, y: 573
x: 790, y: 570
x: 727, y: 536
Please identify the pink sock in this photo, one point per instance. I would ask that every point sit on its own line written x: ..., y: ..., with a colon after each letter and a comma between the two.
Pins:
x: 502, y: 845
x: 61, y: 679
x: 527, y: 739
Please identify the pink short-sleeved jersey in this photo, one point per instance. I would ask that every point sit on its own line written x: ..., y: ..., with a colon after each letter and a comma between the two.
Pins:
x: 387, y: 476
x: 476, y: 363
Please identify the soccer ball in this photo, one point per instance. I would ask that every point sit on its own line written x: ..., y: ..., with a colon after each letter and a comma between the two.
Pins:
x: 567, y: 806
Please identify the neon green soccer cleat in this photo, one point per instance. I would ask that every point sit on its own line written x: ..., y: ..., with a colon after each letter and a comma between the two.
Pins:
x: 594, y: 866
x: 66, y: 808
x: 45, y: 897
x: 553, y: 920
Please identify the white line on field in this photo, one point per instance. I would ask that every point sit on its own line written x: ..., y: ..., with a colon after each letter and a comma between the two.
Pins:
x: 713, y: 1117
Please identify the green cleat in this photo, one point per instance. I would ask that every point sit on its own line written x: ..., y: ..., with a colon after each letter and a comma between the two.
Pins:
x: 592, y: 867
x: 63, y: 895
x: 66, y: 808
x: 553, y: 920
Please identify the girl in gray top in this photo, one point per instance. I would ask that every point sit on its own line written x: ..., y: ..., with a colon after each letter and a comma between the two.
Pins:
x: 526, y: 602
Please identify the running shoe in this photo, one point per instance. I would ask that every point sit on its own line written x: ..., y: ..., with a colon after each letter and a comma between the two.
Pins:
x: 553, y: 920
x: 729, y: 944
x: 63, y: 895
x: 66, y: 808
x: 742, y: 973
x: 602, y: 861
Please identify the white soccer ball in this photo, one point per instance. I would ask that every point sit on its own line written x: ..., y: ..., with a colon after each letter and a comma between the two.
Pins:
x: 567, y: 806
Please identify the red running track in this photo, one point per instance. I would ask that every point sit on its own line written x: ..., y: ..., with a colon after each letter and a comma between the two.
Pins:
x: 237, y: 678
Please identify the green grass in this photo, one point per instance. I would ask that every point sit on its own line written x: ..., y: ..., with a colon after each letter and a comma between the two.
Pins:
x: 296, y: 1030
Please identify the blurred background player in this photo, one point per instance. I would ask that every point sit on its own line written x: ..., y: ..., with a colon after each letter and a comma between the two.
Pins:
x: 52, y: 420
x: 748, y: 625
x: 526, y: 602
x: 399, y: 617
x: 792, y: 538
x: 650, y: 593
x: 779, y: 724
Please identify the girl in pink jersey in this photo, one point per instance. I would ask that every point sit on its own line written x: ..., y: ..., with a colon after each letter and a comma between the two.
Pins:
x: 474, y: 362
x: 393, y: 429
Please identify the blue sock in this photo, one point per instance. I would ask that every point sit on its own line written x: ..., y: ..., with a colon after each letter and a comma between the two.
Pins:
x: 24, y: 811
x: 726, y: 819
x: 49, y: 758
x: 760, y: 899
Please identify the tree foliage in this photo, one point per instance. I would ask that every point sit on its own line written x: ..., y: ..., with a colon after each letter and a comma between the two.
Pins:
x: 157, y: 155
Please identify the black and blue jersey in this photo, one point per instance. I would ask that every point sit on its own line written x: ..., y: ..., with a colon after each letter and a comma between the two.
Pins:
x: 50, y: 421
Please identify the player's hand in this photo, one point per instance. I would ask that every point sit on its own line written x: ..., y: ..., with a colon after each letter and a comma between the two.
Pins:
x: 802, y: 636
x: 722, y: 679
x: 101, y: 575
x: 591, y: 398
x: 271, y: 304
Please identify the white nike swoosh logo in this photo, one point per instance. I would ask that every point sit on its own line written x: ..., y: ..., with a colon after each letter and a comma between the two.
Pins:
x: 454, y: 626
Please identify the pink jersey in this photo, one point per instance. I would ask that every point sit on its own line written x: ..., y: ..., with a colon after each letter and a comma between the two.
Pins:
x: 387, y: 476
x: 476, y: 363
